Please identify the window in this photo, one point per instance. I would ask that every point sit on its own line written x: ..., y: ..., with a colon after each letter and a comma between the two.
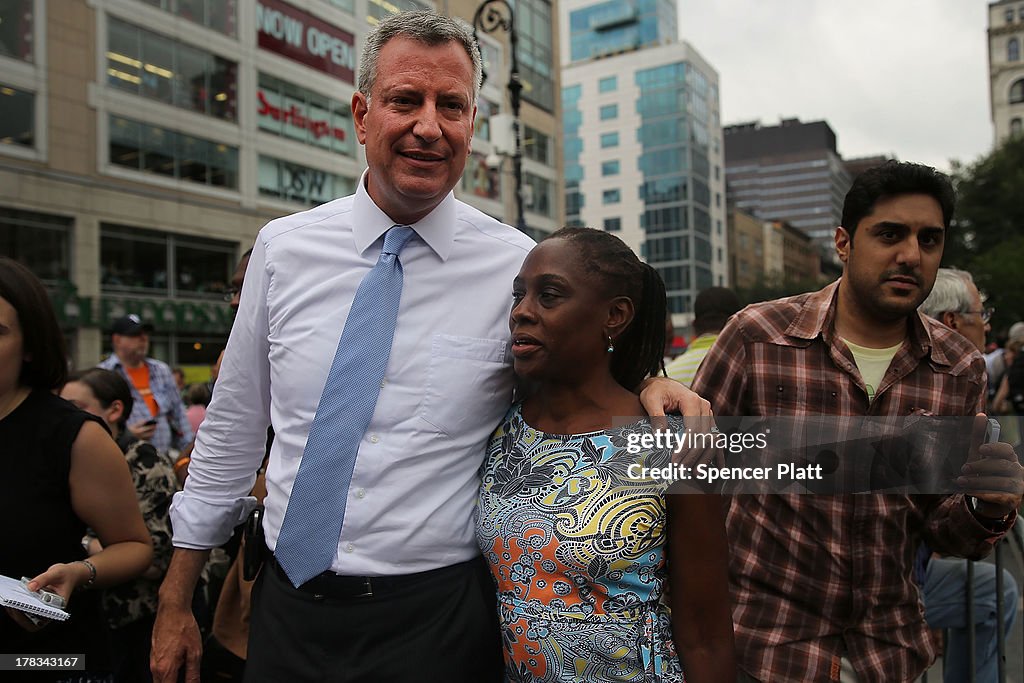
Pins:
x: 538, y: 193
x: 216, y: 14
x: 610, y: 167
x: 611, y: 196
x: 1009, y: 15
x: 1015, y: 126
x: 156, y: 67
x: 39, y: 241
x: 152, y: 149
x: 376, y: 10
x: 152, y: 262
x: 17, y: 117
x: 609, y: 84
x: 1017, y: 92
x: 16, y: 18
x: 609, y: 140
x: 533, y: 21
x: 482, y: 125
x: 536, y: 145
x: 609, y: 111
x: 1012, y: 50
x: 612, y: 224
x: 295, y: 183
x: 480, y: 179
x: 294, y: 112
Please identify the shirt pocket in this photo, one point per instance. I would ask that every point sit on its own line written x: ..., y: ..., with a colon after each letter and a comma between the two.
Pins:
x: 469, y: 379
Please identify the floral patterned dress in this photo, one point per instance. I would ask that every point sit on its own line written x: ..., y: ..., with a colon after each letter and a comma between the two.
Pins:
x: 576, y: 543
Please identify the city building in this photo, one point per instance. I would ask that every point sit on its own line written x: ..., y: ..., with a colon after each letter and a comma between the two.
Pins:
x: 642, y: 141
x: 790, y: 172
x: 769, y: 253
x: 856, y: 166
x: 143, y: 143
x: 1006, y: 67
x: 746, y: 249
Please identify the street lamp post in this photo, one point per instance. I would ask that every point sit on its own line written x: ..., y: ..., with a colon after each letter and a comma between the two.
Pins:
x: 492, y: 16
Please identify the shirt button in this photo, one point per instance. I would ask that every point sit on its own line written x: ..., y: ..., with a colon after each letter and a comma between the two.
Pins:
x: 361, y: 493
x: 382, y: 383
x: 349, y: 548
x: 374, y: 438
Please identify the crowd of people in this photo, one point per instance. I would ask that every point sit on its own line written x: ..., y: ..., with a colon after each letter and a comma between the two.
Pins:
x: 435, y: 477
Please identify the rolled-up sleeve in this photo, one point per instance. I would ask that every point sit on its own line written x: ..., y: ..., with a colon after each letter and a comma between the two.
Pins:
x: 231, y: 443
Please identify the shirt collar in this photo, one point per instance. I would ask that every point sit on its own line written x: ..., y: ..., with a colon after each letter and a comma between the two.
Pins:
x: 369, y: 222
x: 818, y: 314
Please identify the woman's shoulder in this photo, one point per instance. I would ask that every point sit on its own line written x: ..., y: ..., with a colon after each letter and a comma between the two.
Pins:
x: 51, y: 414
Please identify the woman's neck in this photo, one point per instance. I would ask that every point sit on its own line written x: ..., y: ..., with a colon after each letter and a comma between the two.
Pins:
x: 12, y: 399
x: 579, y: 408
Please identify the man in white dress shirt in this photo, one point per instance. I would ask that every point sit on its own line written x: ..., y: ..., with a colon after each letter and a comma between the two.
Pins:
x: 407, y: 597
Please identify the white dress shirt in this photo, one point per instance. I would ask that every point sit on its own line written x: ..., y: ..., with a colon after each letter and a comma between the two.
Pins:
x: 447, y: 385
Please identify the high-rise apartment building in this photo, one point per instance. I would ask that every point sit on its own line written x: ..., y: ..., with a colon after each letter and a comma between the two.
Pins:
x: 1006, y: 67
x: 790, y: 172
x: 143, y: 143
x: 642, y: 141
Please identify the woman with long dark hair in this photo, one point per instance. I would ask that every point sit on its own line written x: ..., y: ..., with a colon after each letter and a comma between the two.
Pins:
x: 62, y: 474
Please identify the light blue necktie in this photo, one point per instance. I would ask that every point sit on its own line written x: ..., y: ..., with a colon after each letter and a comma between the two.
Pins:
x: 309, y: 535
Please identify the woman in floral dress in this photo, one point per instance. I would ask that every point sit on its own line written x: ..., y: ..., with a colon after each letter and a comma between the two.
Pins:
x: 582, y: 539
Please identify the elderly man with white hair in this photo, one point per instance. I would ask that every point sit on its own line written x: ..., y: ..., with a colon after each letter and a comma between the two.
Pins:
x: 956, y: 302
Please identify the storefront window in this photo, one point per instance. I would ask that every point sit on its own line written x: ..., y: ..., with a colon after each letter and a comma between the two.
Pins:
x: 165, y: 152
x: 481, y: 180
x: 294, y: 112
x: 216, y: 14
x: 153, y: 262
x: 38, y: 240
x: 154, y: 66
x: 17, y: 117
x: 301, y: 184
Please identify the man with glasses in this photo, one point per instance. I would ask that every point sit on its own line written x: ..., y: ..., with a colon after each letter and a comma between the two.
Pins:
x: 956, y: 303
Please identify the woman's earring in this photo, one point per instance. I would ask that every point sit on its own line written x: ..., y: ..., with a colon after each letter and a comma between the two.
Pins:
x: 611, y: 346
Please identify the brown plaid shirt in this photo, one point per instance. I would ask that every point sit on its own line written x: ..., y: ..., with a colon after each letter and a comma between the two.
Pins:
x: 818, y: 577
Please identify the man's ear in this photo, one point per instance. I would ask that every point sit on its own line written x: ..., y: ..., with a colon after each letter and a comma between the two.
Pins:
x: 950, y: 320
x: 844, y: 243
x: 620, y: 315
x: 360, y: 106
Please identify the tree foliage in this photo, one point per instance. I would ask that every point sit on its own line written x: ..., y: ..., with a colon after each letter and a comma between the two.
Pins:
x: 987, y: 236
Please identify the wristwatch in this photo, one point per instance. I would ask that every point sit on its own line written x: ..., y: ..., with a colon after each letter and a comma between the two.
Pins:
x: 993, y: 523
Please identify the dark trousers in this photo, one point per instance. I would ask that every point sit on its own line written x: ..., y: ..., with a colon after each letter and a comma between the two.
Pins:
x: 439, y: 626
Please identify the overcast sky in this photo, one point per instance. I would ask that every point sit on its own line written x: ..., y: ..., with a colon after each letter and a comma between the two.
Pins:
x: 903, y: 77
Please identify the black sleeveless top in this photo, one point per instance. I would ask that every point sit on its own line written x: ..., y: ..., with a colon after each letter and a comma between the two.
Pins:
x: 38, y: 527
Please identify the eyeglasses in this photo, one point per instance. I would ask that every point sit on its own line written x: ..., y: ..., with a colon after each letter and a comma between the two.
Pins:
x: 230, y: 293
x: 985, y: 313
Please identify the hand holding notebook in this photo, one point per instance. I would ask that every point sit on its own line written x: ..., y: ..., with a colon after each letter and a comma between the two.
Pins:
x: 16, y: 596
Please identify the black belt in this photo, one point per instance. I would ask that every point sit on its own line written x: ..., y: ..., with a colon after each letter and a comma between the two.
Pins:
x: 331, y: 585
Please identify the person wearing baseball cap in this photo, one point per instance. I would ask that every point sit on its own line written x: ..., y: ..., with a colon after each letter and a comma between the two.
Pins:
x: 158, y: 414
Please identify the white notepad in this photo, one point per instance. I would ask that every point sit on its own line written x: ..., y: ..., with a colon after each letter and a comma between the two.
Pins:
x: 13, y: 594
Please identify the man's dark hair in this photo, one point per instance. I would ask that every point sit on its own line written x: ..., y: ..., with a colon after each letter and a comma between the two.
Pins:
x: 895, y: 178
x: 712, y: 308
x: 639, y: 350
x: 43, y: 346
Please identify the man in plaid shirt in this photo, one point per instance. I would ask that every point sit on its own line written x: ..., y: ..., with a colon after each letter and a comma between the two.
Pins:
x: 822, y: 585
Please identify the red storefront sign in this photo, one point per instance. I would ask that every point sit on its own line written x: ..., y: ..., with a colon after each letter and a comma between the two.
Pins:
x: 293, y: 115
x: 299, y: 35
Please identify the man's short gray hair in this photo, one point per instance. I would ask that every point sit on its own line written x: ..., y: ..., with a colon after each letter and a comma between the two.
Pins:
x: 427, y: 27
x: 951, y: 293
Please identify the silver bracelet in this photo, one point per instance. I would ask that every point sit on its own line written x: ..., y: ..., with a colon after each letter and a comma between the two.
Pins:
x: 92, y: 573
